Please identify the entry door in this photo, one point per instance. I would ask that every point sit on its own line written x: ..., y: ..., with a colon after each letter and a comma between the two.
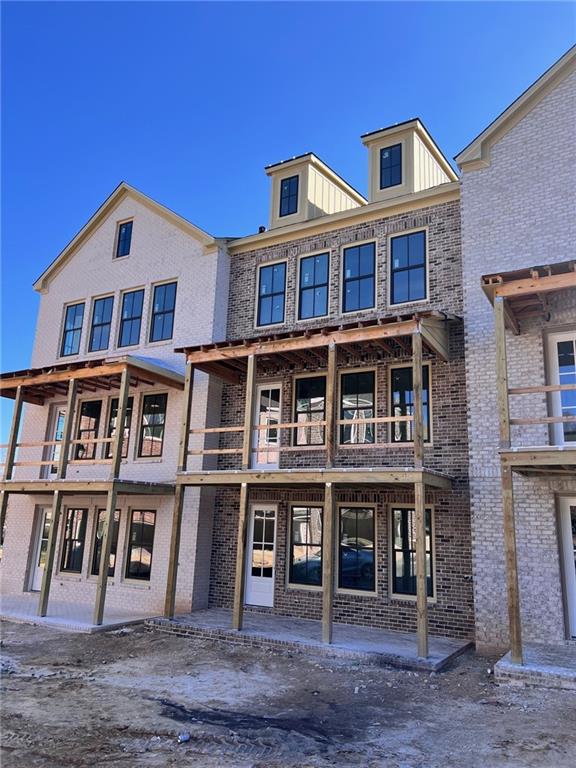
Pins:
x: 562, y: 351
x: 261, y: 555
x: 267, y: 414
x: 568, y: 547
x: 41, y: 546
x: 55, y: 432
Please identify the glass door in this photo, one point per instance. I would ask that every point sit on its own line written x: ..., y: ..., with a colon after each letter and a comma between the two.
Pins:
x: 42, y: 533
x: 568, y: 548
x: 261, y: 555
x: 267, y: 438
x: 55, y: 432
x: 563, y: 371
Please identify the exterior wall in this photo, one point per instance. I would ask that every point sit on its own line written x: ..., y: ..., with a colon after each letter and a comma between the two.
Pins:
x: 517, y: 213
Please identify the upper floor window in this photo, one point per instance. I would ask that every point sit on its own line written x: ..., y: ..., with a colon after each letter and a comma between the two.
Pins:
x: 408, y: 268
x: 163, y: 305
x: 112, y: 420
x: 88, y: 424
x: 313, y: 296
x: 357, y: 402
x: 404, y: 552
x: 289, y: 196
x: 72, y: 330
x: 402, y: 396
x: 124, y: 239
x: 562, y: 357
x: 101, y: 322
x: 73, y: 540
x: 391, y: 166
x: 271, y: 293
x: 359, y: 278
x: 310, y: 408
x: 152, y: 427
x: 131, y: 318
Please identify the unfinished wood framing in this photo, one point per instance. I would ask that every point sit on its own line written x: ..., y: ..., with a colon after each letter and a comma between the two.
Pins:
x: 502, y: 373
x: 240, y: 580
x: 511, y: 566
x: 328, y: 559
x: 421, y: 580
x: 418, y: 424
x: 249, y: 413
x: 331, y: 395
x: 50, y: 554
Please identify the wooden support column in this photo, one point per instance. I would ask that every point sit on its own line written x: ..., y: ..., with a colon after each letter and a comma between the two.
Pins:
x: 10, y: 455
x: 67, y: 432
x: 249, y: 413
x: 511, y: 566
x: 418, y: 423
x: 331, y: 395
x: 502, y: 371
x: 238, y: 611
x: 328, y: 559
x: 421, y: 582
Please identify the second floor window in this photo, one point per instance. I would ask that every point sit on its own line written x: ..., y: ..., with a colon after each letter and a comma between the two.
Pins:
x: 101, y: 322
x: 88, y: 425
x: 73, y: 540
x: 402, y: 403
x: 408, y: 268
x: 152, y: 427
x: 359, y: 278
x: 124, y: 239
x: 391, y: 166
x: 113, y: 418
x: 313, y: 296
x: 131, y: 318
x: 357, y: 402
x: 163, y: 305
x: 72, y: 330
x: 289, y: 196
x: 310, y: 408
x: 271, y: 292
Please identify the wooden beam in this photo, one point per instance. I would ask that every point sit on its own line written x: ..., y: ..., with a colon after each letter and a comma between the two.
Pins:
x: 222, y: 371
x: 118, y: 438
x: 502, y: 372
x: 331, y: 397
x: 540, y: 457
x: 67, y: 430
x: 172, y: 578
x: 249, y: 412
x: 418, y: 423
x: 435, y: 334
x: 13, y: 438
x: 511, y: 566
x: 421, y: 580
x: 66, y: 375
x: 238, y: 610
x: 185, y: 418
x: 328, y: 559
x: 50, y: 554
x: 106, y: 545
x: 535, y: 285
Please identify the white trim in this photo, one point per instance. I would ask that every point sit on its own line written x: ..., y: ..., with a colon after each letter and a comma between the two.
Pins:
x: 265, y: 507
x: 273, y: 384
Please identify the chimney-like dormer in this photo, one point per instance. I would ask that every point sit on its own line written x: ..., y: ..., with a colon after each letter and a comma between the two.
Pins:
x: 305, y: 188
x: 404, y: 159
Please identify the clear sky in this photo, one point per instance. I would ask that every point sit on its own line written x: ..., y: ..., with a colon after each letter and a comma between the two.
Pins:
x: 189, y: 101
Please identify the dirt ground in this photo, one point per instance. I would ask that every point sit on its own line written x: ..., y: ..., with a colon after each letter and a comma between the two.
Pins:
x: 120, y: 700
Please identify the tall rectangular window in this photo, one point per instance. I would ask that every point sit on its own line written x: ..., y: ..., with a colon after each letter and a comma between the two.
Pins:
x: 404, y: 552
x: 124, y: 239
x: 73, y: 540
x: 101, y: 322
x: 402, y: 403
x: 564, y: 402
x: 111, y: 431
x: 357, y: 402
x: 96, y: 555
x: 306, y: 546
x: 72, y: 330
x: 271, y: 291
x: 289, y: 196
x: 359, y: 278
x: 152, y: 426
x: 88, y: 425
x: 391, y: 166
x: 131, y: 318
x: 356, y: 552
x: 310, y: 408
x: 408, y: 268
x: 140, y: 545
x: 313, y: 296
x: 163, y: 306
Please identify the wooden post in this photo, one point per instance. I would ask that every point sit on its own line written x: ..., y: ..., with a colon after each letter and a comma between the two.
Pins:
x: 331, y: 396
x: 13, y: 439
x: 249, y: 413
x: 67, y: 431
x: 240, y: 560
x: 186, y: 416
x: 511, y: 566
x: 50, y: 553
x: 421, y: 585
x: 328, y: 564
x: 120, y: 421
x: 418, y: 423
x: 502, y: 372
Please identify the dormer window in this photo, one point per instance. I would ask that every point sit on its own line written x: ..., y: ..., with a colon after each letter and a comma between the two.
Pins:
x: 289, y: 196
x: 391, y: 166
x: 124, y: 239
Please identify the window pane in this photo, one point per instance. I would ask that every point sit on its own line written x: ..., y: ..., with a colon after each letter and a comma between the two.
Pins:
x: 88, y: 425
x: 367, y: 259
x: 366, y: 293
x: 356, y: 569
x: 289, y: 196
x: 141, y: 544
x: 357, y: 402
x: 72, y: 329
x: 306, y: 546
x: 404, y: 559
x: 124, y: 239
x: 310, y: 408
x: 112, y: 426
x: 416, y: 248
x: 98, y: 543
x: 399, y: 252
x: 131, y: 318
x: 359, y: 274
x: 390, y: 166
x: 73, y: 540
x: 351, y: 296
x: 351, y: 262
x: 101, y: 322
x: 402, y: 403
x: 271, y: 288
x: 307, y: 304
x: 408, y: 268
x: 163, y: 306
x: 152, y: 425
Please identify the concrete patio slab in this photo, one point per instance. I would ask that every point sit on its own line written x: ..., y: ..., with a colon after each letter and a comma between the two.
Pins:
x: 376, y: 646
x: 548, y: 666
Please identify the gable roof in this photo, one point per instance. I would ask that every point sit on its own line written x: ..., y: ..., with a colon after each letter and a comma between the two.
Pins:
x: 477, y: 153
x: 122, y: 190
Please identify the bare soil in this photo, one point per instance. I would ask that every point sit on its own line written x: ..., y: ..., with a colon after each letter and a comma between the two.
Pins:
x: 120, y: 699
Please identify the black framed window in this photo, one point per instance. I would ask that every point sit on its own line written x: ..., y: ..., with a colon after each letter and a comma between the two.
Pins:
x: 288, y: 196
x: 101, y: 323
x: 124, y: 239
x: 131, y: 318
x: 97, y: 553
x: 72, y: 330
x: 357, y: 398
x: 271, y: 293
x: 163, y: 306
x: 404, y: 552
x: 391, y: 166
x: 313, y: 298
x: 402, y: 396
x: 73, y: 540
x: 359, y: 277
x: 88, y: 425
x: 408, y: 268
x: 152, y: 426
x: 310, y: 408
x: 356, y: 552
x: 111, y: 431
x: 140, y: 545
x: 306, y: 545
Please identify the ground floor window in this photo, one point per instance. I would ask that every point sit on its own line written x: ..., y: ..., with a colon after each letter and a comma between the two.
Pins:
x: 306, y: 546
x: 404, y: 552
x: 73, y: 540
x: 140, y: 545
x: 356, y: 551
x: 101, y: 515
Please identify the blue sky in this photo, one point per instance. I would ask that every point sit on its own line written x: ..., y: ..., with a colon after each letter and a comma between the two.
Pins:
x: 189, y: 101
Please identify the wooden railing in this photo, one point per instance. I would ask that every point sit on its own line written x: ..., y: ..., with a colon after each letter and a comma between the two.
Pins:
x: 544, y: 420
x: 54, y: 443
